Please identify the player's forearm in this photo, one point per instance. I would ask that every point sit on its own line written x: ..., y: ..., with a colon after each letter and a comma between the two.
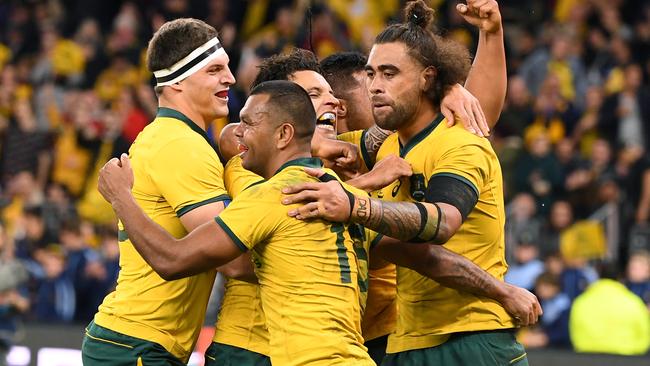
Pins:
x: 155, y: 245
x: 373, y: 139
x: 455, y: 271
x: 402, y: 220
x: 366, y: 182
x: 240, y: 268
x: 487, y: 79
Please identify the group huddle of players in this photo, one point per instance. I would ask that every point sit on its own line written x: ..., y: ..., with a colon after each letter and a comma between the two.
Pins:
x: 382, y: 244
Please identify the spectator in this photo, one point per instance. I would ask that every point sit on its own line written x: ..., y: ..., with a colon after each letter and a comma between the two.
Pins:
x: 527, y: 267
x: 553, y: 329
x: 622, y: 114
x: 55, y: 294
x: 35, y: 236
x: 586, y: 130
x: 584, y: 184
x: 609, y: 318
x: 79, y: 270
x: 577, y: 275
x: 637, y: 277
x: 518, y: 111
x: 13, y: 294
x: 558, y: 60
x: 521, y: 221
x: 537, y: 170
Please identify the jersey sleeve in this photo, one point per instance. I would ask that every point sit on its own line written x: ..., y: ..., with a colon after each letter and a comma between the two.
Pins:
x: 188, y: 175
x: 357, y: 138
x: 236, y: 178
x: 251, y: 218
x: 468, y: 163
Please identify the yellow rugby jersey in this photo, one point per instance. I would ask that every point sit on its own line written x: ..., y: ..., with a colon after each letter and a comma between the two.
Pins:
x: 429, y: 312
x: 358, y: 138
x: 381, y: 310
x: 176, y: 170
x: 241, y: 322
x: 307, y: 273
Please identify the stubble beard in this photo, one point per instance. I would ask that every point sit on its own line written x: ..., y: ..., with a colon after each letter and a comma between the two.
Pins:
x: 400, y: 116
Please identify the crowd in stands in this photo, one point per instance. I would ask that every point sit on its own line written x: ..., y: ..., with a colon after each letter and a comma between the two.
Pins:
x: 573, y: 140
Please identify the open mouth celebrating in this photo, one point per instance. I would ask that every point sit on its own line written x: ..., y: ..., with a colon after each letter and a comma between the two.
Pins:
x: 242, y: 148
x: 223, y: 94
x: 327, y: 120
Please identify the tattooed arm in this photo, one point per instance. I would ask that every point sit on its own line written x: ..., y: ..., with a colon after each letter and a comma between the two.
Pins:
x: 422, y: 222
x: 455, y: 271
x: 373, y: 138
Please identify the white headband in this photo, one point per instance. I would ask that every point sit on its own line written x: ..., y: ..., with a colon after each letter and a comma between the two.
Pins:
x: 189, y: 64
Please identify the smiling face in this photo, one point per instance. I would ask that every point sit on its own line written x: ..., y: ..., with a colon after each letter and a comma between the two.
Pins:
x: 255, y: 134
x: 207, y: 89
x: 392, y: 79
x: 323, y: 99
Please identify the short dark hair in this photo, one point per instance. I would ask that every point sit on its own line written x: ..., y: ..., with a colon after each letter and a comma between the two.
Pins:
x: 549, y: 279
x: 338, y: 70
x: 33, y: 211
x: 71, y: 225
x: 290, y: 101
x: 175, y: 40
x: 450, y: 59
x: 281, y: 67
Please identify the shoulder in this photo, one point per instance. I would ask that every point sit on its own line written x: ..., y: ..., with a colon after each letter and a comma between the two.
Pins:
x: 457, y: 138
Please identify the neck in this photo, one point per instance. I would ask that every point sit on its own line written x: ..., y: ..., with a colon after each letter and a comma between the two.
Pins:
x: 284, y: 156
x: 424, y: 115
x: 182, y: 106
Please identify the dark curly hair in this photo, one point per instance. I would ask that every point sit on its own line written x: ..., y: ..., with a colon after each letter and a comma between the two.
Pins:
x: 339, y: 68
x: 281, y: 67
x: 450, y: 59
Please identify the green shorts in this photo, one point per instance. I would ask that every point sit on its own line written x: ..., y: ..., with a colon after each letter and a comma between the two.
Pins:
x: 102, y: 346
x: 487, y: 348
x: 219, y: 354
x: 377, y: 348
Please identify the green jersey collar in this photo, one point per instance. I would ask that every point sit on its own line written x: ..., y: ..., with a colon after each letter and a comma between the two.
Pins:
x: 419, y: 136
x: 305, y: 162
x: 172, y: 113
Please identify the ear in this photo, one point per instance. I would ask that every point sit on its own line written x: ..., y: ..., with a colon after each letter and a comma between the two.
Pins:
x: 176, y: 86
x: 427, y: 78
x: 342, y: 110
x: 284, y: 135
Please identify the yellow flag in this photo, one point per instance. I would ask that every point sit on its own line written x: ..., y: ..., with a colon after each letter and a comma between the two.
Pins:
x: 583, y: 240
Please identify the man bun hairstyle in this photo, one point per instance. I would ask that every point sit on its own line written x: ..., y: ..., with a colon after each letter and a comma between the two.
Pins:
x: 449, y: 59
x: 418, y: 14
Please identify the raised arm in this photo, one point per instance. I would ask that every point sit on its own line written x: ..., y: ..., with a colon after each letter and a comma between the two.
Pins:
x: 206, y: 247
x: 487, y: 79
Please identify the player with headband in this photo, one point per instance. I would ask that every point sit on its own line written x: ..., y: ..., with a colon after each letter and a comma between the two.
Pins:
x: 179, y: 184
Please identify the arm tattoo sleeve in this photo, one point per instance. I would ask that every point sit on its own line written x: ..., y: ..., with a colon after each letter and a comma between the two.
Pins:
x: 374, y: 137
x: 457, y: 272
x: 406, y: 221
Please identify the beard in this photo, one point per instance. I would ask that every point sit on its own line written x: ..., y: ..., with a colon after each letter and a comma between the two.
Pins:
x: 399, y: 116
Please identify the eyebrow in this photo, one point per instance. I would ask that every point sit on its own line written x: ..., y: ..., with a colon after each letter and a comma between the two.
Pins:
x: 315, y: 88
x: 387, y: 67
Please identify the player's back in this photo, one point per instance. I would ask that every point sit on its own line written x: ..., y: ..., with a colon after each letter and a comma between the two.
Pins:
x: 308, y: 275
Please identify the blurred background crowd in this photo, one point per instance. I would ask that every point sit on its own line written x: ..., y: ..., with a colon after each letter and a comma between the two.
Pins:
x: 573, y: 139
